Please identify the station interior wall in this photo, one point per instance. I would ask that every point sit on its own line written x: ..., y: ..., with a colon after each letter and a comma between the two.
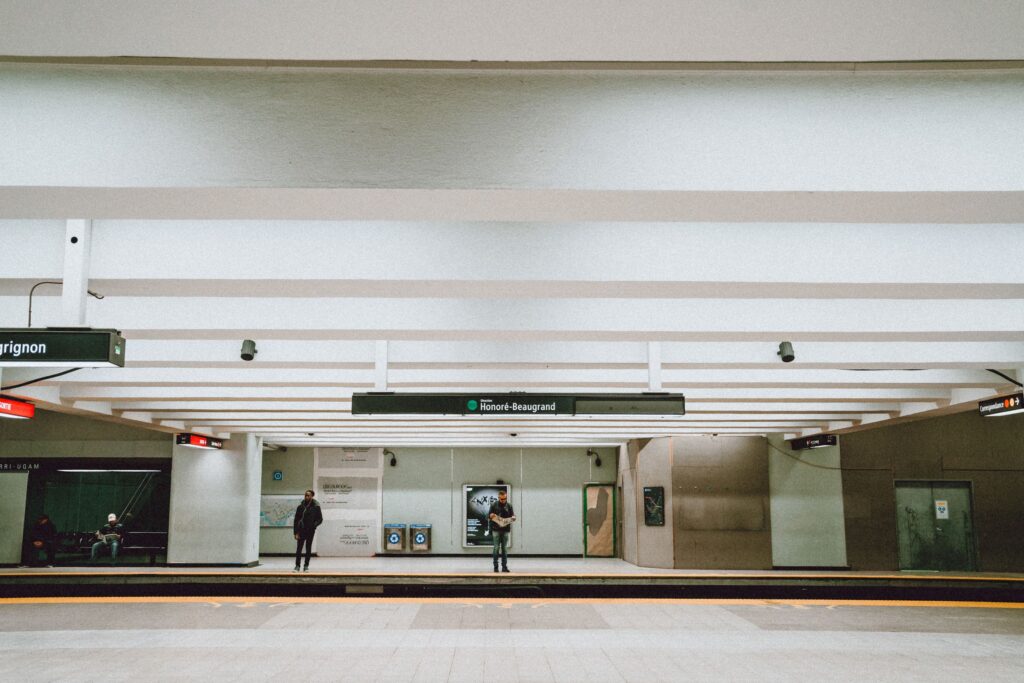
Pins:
x: 425, y: 487
x: 723, y: 485
x: 988, y: 452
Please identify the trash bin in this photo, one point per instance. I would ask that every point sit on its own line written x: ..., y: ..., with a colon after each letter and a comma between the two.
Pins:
x: 394, y: 537
x: 419, y: 535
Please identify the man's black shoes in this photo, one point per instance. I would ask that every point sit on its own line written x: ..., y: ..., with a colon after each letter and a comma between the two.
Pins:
x: 504, y: 569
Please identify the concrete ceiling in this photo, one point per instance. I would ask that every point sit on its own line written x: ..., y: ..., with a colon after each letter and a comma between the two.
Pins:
x: 452, y: 229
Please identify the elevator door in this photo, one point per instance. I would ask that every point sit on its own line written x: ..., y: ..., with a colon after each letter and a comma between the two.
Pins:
x: 934, y: 525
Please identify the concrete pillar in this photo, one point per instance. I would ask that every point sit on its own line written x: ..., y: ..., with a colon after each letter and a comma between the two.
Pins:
x: 77, y: 248
x: 13, y: 489
x: 215, y: 500
x: 806, y: 488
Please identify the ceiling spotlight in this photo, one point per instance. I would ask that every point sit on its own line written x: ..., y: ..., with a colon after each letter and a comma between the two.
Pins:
x: 786, y: 352
x: 597, y: 457
x: 248, y: 349
x: 394, y: 459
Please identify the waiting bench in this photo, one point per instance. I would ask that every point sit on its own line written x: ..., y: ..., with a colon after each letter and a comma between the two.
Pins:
x: 150, y: 543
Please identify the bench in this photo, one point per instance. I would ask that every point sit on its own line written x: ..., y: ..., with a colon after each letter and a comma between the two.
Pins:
x: 150, y: 543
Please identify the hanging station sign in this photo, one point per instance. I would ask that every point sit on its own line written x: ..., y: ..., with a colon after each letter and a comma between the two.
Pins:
x: 389, y: 403
x: 816, y: 441
x: 198, y: 441
x: 61, y: 348
x: 1004, y: 405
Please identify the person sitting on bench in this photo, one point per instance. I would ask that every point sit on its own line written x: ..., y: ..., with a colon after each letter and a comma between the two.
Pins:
x: 110, y: 536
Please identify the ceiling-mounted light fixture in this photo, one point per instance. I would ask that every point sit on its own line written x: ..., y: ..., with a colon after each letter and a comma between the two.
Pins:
x: 786, y: 352
x: 394, y: 458
x: 597, y: 457
x: 248, y: 349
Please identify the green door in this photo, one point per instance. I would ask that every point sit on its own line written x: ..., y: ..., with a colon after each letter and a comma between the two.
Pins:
x: 933, y: 520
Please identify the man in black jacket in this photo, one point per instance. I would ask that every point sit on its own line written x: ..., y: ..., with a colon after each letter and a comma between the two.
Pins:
x: 501, y: 515
x: 307, y: 518
x: 43, y: 538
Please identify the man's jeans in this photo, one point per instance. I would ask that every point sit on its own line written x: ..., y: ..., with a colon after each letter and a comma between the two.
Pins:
x: 308, y: 542
x: 500, y: 540
x: 114, y: 547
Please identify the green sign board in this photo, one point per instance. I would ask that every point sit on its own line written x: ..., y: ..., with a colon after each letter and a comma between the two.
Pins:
x: 386, y: 403
x: 57, y: 347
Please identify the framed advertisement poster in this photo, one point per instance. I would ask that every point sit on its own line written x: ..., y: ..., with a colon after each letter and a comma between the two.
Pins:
x: 654, y: 506
x: 477, y: 499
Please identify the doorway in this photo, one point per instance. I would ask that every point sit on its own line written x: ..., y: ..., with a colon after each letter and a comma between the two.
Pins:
x: 935, y: 526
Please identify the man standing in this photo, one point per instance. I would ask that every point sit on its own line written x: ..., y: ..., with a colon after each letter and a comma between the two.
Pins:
x: 43, y: 538
x: 307, y: 518
x: 501, y: 515
x: 111, y: 535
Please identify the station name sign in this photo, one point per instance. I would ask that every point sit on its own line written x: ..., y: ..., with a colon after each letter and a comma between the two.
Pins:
x: 388, y: 403
x: 1004, y: 405
x: 59, y: 347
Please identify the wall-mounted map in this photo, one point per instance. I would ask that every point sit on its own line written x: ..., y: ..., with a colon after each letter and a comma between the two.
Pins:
x: 278, y: 511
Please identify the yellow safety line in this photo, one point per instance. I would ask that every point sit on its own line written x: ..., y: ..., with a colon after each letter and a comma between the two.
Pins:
x: 501, y: 601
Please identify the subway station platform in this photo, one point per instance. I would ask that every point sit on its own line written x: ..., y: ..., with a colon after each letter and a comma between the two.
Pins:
x: 530, y: 577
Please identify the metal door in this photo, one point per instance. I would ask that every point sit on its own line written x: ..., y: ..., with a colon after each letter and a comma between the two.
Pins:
x: 934, y: 525
x: 599, y: 520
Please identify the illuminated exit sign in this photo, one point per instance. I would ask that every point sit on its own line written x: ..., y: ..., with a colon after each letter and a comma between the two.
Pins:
x: 19, y: 410
x: 198, y: 441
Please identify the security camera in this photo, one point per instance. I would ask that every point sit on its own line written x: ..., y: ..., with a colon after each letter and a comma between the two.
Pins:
x: 513, y: 433
x: 786, y: 352
x: 248, y: 349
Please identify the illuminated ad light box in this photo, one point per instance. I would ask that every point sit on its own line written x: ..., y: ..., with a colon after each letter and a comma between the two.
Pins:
x: 198, y: 441
x: 18, y: 410
x: 55, y: 347
x: 1004, y: 405
x: 388, y: 403
x: 816, y: 441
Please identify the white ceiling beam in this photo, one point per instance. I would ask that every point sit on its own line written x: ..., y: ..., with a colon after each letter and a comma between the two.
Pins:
x: 907, y: 409
x: 558, y: 319
x: 75, y: 289
x: 258, y: 394
x: 675, y: 355
x: 449, y: 258
x: 656, y: 31
x: 554, y: 378
x: 534, y: 205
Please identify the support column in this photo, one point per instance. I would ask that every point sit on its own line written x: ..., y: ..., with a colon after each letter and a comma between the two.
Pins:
x: 653, y: 366
x: 77, y: 247
x: 380, y: 366
x: 215, y: 503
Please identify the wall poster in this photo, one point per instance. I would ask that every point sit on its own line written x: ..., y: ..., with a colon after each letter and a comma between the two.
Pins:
x: 477, y: 499
x: 654, y: 506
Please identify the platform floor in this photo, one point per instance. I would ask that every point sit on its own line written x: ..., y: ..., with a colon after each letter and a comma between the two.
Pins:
x: 382, y: 639
x: 467, y: 565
